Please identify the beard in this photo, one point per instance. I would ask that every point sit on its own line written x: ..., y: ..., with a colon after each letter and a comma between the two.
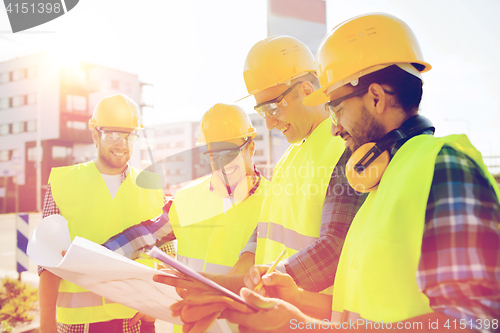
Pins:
x: 366, y: 129
x: 106, y: 158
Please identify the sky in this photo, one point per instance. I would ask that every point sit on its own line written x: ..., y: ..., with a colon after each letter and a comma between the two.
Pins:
x: 193, y: 51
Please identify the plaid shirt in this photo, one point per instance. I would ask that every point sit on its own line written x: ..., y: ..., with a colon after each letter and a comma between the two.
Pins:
x: 313, y: 268
x: 459, y: 264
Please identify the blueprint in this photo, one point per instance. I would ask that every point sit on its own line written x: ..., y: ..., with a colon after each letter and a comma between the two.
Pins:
x: 99, y: 270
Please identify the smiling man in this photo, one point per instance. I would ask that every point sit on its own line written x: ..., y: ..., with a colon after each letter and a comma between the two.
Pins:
x: 98, y: 199
x: 310, y: 205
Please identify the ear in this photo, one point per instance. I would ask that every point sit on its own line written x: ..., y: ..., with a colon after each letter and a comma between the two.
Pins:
x: 95, y: 137
x: 307, y: 87
x: 251, y: 148
x: 377, y: 98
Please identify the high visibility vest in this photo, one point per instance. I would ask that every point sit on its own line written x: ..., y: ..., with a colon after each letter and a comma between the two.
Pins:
x: 84, y: 200
x: 292, y: 208
x: 210, y: 240
x: 376, y: 276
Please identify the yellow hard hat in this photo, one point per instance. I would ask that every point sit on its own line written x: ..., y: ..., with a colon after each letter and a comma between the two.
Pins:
x: 116, y: 111
x: 225, y: 122
x: 363, y: 45
x: 276, y: 60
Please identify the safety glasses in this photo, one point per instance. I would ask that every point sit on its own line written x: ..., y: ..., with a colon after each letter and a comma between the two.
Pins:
x: 115, y: 137
x: 222, y: 153
x: 335, y: 107
x: 274, y: 107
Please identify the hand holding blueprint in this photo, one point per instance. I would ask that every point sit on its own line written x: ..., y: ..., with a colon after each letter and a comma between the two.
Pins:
x: 100, y: 270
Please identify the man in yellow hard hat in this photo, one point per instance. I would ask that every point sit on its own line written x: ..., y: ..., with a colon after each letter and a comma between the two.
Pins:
x: 422, y: 253
x: 98, y: 199
x: 213, y: 217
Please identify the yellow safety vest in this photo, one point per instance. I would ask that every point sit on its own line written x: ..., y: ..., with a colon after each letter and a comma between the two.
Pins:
x: 376, y: 276
x: 292, y: 208
x: 210, y: 240
x: 83, y: 198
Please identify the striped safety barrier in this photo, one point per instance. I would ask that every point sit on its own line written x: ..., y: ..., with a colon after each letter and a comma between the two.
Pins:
x: 22, y: 226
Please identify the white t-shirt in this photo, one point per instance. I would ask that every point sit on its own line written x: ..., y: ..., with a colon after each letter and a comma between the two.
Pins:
x: 113, y: 183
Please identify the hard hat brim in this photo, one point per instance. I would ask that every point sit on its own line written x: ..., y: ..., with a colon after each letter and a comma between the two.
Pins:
x: 243, y: 98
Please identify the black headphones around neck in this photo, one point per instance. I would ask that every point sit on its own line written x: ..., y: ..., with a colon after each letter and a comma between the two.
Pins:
x: 368, y: 163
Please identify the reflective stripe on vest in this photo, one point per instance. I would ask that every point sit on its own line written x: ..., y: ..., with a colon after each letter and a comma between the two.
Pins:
x: 210, y: 240
x: 80, y: 300
x: 293, y: 205
x: 83, y: 198
x: 290, y: 238
x: 376, y: 276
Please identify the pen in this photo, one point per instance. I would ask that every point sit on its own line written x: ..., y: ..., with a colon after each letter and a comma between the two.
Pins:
x: 270, y: 270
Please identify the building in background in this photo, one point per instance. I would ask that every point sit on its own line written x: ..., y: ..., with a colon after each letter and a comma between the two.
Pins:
x: 43, y: 100
x: 302, y: 19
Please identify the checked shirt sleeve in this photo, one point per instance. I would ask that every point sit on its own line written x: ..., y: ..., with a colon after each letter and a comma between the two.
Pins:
x: 460, y: 260
x: 49, y: 205
x: 134, y: 240
x: 314, y: 267
x: 49, y: 208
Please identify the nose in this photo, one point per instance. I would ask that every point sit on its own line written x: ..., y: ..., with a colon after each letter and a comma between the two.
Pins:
x: 123, y: 142
x: 336, y: 129
x: 270, y: 122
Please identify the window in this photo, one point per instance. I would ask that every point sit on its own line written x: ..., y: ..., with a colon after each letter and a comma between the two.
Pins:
x: 176, y: 158
x: 79, y: 125
x: 258, y: 122
x: 115, y: 84
x: 76, y: 103
x: 59, y: 152
x: 4, y: 155
x: 179, y: 144
x: 176, y: 172
x: 32, y: 153
x: 31, y: 126
x: 19, y: 74
x: 258, y: 137
x: 259, y: 152
x: 4, y: 103
x: 4, y: 77
x: 18, y: 127
x: 4, y: 129
x: 18, y: 101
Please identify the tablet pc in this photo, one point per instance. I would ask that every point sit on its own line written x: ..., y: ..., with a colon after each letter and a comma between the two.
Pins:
x: 165, y: 258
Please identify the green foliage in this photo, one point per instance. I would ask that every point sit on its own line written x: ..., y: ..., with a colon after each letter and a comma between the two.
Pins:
x: 17, y: 300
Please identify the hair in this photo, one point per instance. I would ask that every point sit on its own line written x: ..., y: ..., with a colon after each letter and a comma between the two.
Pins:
x: 407, y: 88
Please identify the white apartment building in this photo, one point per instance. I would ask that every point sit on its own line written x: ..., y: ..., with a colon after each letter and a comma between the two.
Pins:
x: 39, y: 97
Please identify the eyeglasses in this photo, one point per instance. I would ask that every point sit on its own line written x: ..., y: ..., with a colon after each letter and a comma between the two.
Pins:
x: 223, y: 155
x: 115, y: 136
x: 335, y: 107
x: 274, y: 107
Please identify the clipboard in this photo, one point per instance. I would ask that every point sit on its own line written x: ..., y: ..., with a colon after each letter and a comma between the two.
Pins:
x: 162, y: 256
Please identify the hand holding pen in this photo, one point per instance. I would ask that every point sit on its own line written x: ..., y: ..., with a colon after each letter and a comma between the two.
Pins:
x: 271, y: 269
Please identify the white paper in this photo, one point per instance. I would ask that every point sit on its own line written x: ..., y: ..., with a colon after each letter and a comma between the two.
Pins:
x: 101, y: 271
